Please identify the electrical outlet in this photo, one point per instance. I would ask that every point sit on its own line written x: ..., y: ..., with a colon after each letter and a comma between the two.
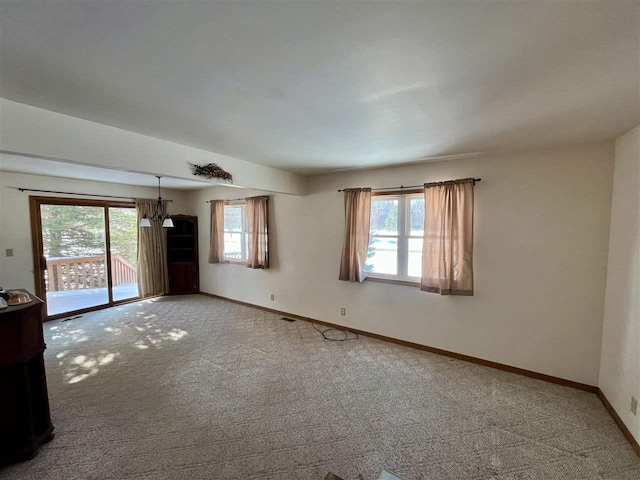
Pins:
x: 343, y: 311
x: 9, y: 252
x: 634, y: 405
x: 273, y: 297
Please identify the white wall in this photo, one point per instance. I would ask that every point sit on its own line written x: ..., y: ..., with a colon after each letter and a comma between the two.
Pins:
x: 620, y: 367
x: 40, y: 133
x: 15, y: 227
x: 541, y: 240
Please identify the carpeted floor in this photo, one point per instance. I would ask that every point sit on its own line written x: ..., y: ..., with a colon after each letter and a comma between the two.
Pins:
x: 197, y: 388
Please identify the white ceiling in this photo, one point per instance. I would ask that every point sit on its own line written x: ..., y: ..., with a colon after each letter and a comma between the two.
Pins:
x: 52, y: 168
x: 318, y: 86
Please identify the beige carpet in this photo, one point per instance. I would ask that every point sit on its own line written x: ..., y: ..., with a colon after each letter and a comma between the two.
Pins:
x: 197, y: 388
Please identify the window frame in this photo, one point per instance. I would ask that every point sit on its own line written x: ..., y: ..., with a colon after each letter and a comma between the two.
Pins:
x: 244, y: 234
x: 402, y: 238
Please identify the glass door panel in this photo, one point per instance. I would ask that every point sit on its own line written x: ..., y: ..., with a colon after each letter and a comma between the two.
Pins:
x: 73, y: 241
x: 123, y: 235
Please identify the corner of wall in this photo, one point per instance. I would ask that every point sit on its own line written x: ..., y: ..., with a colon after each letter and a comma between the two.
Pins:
x: 619, y: 373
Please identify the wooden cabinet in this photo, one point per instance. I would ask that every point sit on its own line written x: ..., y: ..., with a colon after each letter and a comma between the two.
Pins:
x: 25, y: 422
x: 182, y: 255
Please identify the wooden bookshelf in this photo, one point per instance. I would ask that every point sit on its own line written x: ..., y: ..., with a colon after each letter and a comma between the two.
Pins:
x: 182, y: 255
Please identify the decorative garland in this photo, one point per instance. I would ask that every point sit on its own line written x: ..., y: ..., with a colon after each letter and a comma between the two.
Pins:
x: 212, y: 170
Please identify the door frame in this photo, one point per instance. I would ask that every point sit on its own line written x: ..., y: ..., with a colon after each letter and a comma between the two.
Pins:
x: 35, y: 203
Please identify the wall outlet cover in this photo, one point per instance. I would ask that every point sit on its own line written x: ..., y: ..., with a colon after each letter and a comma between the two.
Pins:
x: 9, y: 252
x: 634, y: 405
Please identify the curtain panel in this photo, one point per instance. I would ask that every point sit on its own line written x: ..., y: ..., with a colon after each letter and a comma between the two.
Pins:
x: 447, y: 254
x: 216, y: 237
x: 357, y: 213
x: 153, y: 276
x: 257, y: 228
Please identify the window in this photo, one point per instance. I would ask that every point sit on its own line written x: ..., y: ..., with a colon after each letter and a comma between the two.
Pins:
x: 395, y: 238
x: 236, y: 240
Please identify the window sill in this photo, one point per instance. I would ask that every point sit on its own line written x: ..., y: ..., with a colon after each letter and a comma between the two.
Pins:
x: 236, y: 262
x: 406, y: 283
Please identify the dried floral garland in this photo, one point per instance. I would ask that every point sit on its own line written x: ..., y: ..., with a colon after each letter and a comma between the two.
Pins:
x: 212, y: 170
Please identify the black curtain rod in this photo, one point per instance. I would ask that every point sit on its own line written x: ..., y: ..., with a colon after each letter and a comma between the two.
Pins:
x: 236, y: 199
x: 81, y: 194
x: 229, y: 200
x: 403, y: 187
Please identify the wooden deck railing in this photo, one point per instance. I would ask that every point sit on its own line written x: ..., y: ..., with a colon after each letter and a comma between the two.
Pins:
x: 122, y: 271
x: 75, y: 273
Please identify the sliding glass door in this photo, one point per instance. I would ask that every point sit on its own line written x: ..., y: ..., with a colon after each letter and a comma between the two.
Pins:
x: 85, y: 253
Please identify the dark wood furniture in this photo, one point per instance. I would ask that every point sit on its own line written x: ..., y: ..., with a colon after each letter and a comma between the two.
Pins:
x: 25, y: 422
x: 182, y: 255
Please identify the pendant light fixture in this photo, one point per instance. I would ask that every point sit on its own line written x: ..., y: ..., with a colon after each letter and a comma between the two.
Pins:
x: 159, y: 214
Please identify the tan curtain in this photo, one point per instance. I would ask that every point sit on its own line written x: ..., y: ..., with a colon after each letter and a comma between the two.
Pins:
x: 357, y: 213
x: 153, y: 276
x: 257, y: 226
x: 447, y: 254
x: 216, y: 239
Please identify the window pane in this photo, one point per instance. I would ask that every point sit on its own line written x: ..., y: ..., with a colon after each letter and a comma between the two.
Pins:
x: 414, y: 269
x: 233, y: 218
x: 123, y: 234
x: 382, y: 256
x: 233, y: 246
x: 416, y: 216
x: 74, y: 245
x: 384, y: 217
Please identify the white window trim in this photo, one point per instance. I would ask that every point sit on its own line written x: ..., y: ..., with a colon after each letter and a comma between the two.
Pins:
x: 404, y: 234
x: 244, y: 233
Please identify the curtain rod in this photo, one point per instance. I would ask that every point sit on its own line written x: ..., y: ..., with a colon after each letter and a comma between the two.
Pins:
x: 236, y: 199
x: 229, y: 200
x: 82, y: 194
x: 403, y: 187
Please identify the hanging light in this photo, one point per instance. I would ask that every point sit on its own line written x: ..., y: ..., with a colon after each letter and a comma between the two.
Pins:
x: 159, y: 214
